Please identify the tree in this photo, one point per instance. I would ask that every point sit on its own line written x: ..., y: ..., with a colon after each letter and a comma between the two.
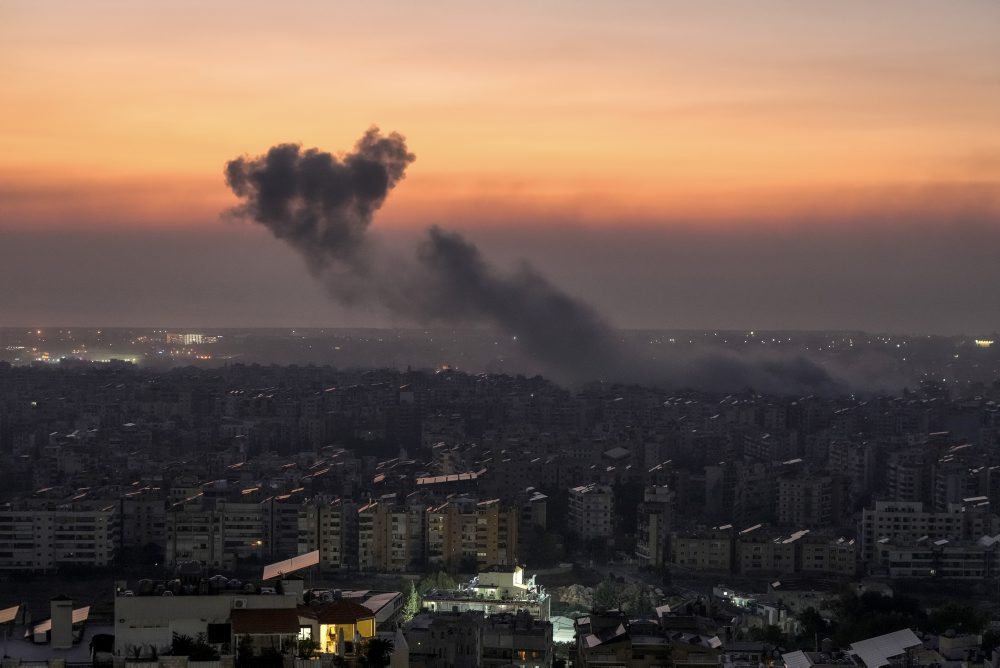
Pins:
x: 960, y: 618
x: 244, y: 651
x: 307, y: 648
x: 196, y: 649
x: 770, y: 634
x: 991, y: 640
x: 378, y: 653
x: 412, y: 605
x: 873, y: 614
x: 813, y: 626
x: 613, y: 594
x: 438, y: 580
x: 639, y: 603
x: 610, y: 594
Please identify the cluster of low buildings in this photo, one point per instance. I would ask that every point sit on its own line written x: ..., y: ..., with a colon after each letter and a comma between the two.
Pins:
x: 497, y: 619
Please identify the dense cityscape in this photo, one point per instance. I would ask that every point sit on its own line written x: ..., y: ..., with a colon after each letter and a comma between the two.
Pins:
x: 633, y: 334
x: 447, y: 517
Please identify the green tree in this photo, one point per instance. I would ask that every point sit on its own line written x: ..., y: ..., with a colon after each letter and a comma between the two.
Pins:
x: 438, y: 580
x: 611, y: 594
x: 307, y: 648
x: 639, y: 603
x: 412, y: 605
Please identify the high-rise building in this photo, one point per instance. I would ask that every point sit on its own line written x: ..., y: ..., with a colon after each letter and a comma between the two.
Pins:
x: 590, y: 511
x: 144, y: 518
x: 391, y: 535
x: 655, y: 517
x: 330, y: 526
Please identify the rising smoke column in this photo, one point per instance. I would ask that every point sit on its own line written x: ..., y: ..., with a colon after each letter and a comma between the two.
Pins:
x: 561, y: 332
x: 322, y: 205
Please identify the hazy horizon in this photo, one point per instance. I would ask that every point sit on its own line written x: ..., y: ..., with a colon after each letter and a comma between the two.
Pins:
x: 938, y: 283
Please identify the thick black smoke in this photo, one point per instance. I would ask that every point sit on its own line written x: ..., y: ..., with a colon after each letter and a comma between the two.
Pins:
x: 556, y: 329
x: 319, y: 203
x: 322, y: 205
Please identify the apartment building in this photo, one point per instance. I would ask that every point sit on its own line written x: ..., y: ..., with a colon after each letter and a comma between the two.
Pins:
x: 590, y: 511
x: 757, y: 549
x: 655, y: 515
x: 496, y: 533
x: 810, y: 501
x: 330, y: 526
x: 906, y: 522
x: 391, y: 536
x: 942, y: 559
x: 707, y: 551
x: 143, y: 518
x: 214, y: 532
x: 42, y: 537
x: 451, y: 531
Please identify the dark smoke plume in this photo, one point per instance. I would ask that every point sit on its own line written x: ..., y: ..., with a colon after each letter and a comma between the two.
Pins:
x: 322, y: 205
x: 317, y: 202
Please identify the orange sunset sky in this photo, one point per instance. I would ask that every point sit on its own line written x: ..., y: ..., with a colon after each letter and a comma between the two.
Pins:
x: 728, y: 122
x: 123, y: 113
